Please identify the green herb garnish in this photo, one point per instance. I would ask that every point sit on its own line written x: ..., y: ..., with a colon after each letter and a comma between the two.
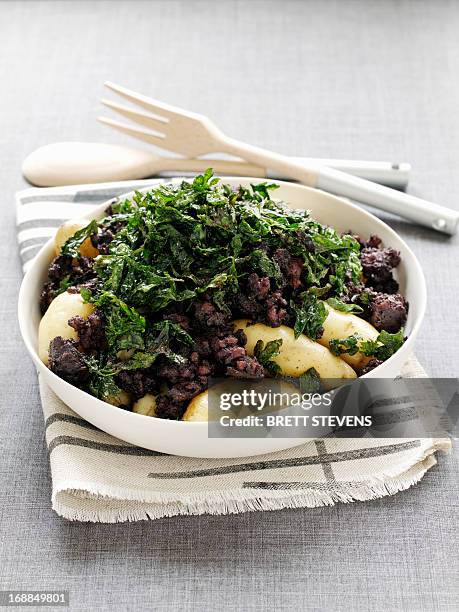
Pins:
x: 124, y: 325
x: 72, y: 246
x: 309, y: 382
x: 265, y: 355
x: 177, y: 242
x: 101, y: 378
x: 348, y: 345
x: 384, y: 346
x: 337, y: 304
x: 309, y: 316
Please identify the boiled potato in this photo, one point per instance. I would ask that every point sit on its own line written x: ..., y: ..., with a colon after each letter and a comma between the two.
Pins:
x: 68, y: 229
x: 55, y: 320
x: 340, y: 325
x: 296, y: 356
x: 198, y: 408
x: 145, y: 405
x: 120, y: 399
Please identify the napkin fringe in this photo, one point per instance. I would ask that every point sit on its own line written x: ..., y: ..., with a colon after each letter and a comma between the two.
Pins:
x: 89, y: 507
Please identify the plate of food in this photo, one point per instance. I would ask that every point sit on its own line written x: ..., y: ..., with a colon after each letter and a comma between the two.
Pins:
x: 129, y: 313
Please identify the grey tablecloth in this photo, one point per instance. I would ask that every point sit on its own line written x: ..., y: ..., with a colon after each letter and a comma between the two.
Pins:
x: 342, y: 79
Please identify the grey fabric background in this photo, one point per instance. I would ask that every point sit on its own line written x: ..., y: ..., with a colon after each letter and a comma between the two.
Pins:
x: 344, y: 79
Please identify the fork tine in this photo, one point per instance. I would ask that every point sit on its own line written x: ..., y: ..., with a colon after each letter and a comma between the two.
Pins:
x: 161, y: 109
x: 158, y: 140
x: 157, y: 125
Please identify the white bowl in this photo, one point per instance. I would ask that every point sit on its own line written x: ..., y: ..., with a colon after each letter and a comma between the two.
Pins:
x: 191, y: 439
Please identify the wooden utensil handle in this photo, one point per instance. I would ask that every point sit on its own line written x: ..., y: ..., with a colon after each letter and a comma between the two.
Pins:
x: 340, y: 183
x: 267, y: 159
x: 220, y: 166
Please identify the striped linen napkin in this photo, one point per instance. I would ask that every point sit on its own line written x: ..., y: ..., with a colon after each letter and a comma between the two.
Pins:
x: 99, y: 478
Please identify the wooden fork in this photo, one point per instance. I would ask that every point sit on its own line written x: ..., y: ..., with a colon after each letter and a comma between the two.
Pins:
x: 191, y: 134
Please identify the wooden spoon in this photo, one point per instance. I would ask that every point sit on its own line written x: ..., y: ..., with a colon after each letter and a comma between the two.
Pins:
x: 74, y: 163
